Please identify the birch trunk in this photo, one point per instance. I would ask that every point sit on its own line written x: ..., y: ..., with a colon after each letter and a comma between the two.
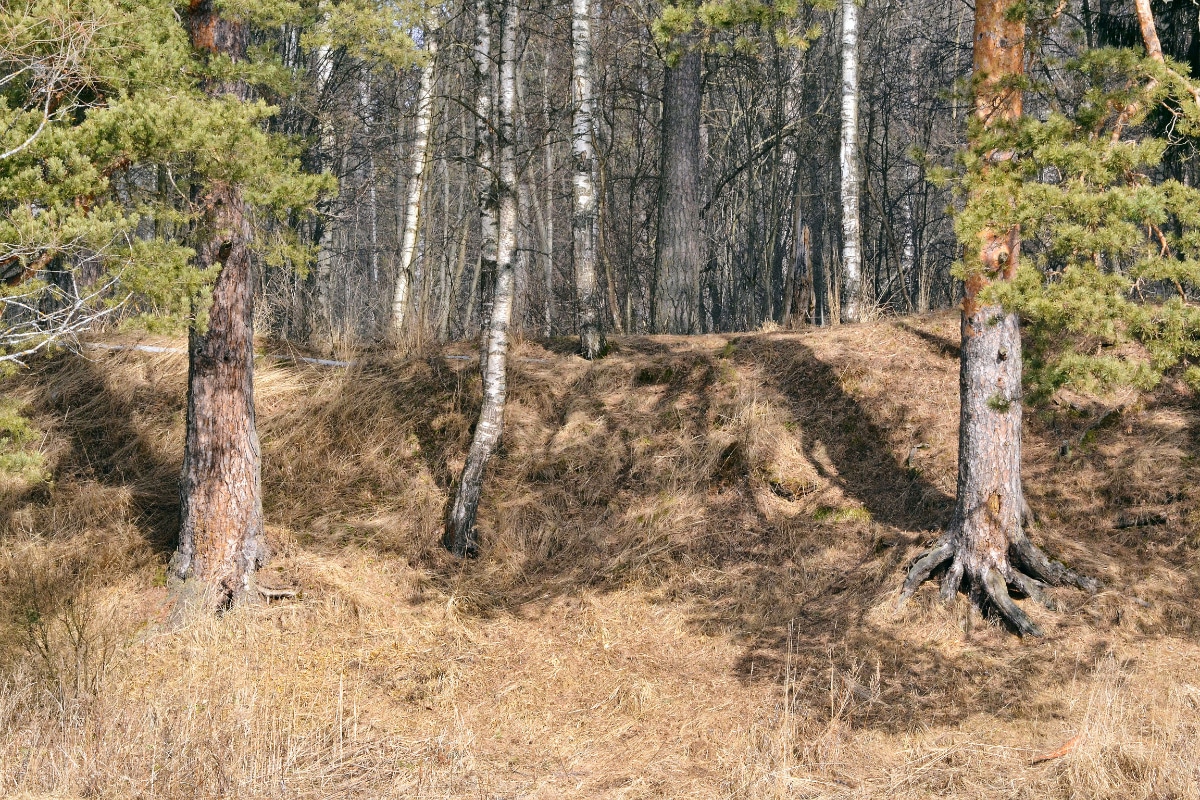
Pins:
x: 416, y: 188
x: 221, y: 541
x: 485, y: 148
x: 851, y: 228
x: 985, y: 546
x: 583, y: 222
x: 460, y: 534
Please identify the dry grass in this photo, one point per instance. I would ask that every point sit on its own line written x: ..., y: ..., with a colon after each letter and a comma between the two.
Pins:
x: 692, y: 553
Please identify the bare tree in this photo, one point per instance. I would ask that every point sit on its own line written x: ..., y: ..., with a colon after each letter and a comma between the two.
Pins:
x: 416, y: 188
x: 461, y: 535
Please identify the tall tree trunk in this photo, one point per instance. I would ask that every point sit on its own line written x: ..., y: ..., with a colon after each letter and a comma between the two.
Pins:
x: 583, y: 222
x: 318, y: 314
x: 986, y: 547
x: 485, y: 150
x: 221, y: 541
x: 912, y: 177
x: 367, y: 100
x: 679, y: 249
x: 548, y: 211
x: 851, y: 228
x: 460, y: 533
x: 416, y: 188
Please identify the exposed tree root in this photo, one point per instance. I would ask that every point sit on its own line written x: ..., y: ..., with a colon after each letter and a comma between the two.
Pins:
x: 988, y: 577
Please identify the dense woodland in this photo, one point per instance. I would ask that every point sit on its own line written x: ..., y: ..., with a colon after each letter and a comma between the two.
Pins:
x: 370, y: 173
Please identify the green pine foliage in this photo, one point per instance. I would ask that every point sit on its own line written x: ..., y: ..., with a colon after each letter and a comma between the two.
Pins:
x: 1110, y: 242
x: 681, y: 19
x: 107, y: 138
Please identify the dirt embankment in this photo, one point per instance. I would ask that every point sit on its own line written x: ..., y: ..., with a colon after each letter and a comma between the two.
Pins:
x: 692, y: 551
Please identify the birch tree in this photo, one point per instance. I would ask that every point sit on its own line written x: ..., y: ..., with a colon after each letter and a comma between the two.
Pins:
x: 851, y: 229
x: 485, y: 176
x: 416, y: 188
x: 461, y: 536
x: 583, y: 227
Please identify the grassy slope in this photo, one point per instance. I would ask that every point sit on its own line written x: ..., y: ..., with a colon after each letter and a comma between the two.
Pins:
x: 692, y: 555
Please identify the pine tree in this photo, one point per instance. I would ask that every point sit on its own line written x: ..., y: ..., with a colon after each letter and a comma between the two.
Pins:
x: 1104, y: 285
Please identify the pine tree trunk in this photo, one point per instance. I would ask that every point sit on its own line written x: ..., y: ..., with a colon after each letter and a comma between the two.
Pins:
x: 416, y: 188
x: 851, y: 229
x: 221, y: 541
x: 986, y: 547
x: 679, y: 247
x: 583, y: 222
x: 460, y: 534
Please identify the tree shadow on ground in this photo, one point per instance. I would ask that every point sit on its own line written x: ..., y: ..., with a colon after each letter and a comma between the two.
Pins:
x: 846, y: 445
x: 108, y: 431
x: 634, y: 481
x: 942, y: 345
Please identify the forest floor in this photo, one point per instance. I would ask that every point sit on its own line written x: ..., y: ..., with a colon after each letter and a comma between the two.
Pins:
x: 692, y: 552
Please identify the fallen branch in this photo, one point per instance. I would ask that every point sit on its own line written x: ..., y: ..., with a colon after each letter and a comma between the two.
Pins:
x: 1067, y: 746
x: 277, y: 594
x: 1141, y: 520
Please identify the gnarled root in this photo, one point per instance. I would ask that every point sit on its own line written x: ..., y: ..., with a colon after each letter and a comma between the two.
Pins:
x: 1026, y: 568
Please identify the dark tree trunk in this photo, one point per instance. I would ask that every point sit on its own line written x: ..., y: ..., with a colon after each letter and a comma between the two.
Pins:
x: 460, y: 532
x: 679, y: 250
x: 986, y: 547
x: 221, y: 535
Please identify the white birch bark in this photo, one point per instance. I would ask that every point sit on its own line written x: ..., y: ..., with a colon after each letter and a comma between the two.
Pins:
x: 583, y: 227
x: 851, y: 232
x: 485, y: 144
x: 416, y: 187
x: 461, y: 536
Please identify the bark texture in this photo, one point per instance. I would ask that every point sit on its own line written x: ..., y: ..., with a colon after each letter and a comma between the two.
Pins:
x: 679, y: 247
x: 583, y: 210
x: 985, y: 547
x: 460, y: 533
x: 851, y: 227
x: 221, y: 534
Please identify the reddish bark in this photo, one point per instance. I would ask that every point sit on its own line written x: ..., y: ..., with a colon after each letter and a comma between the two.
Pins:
x: 221, y: 535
